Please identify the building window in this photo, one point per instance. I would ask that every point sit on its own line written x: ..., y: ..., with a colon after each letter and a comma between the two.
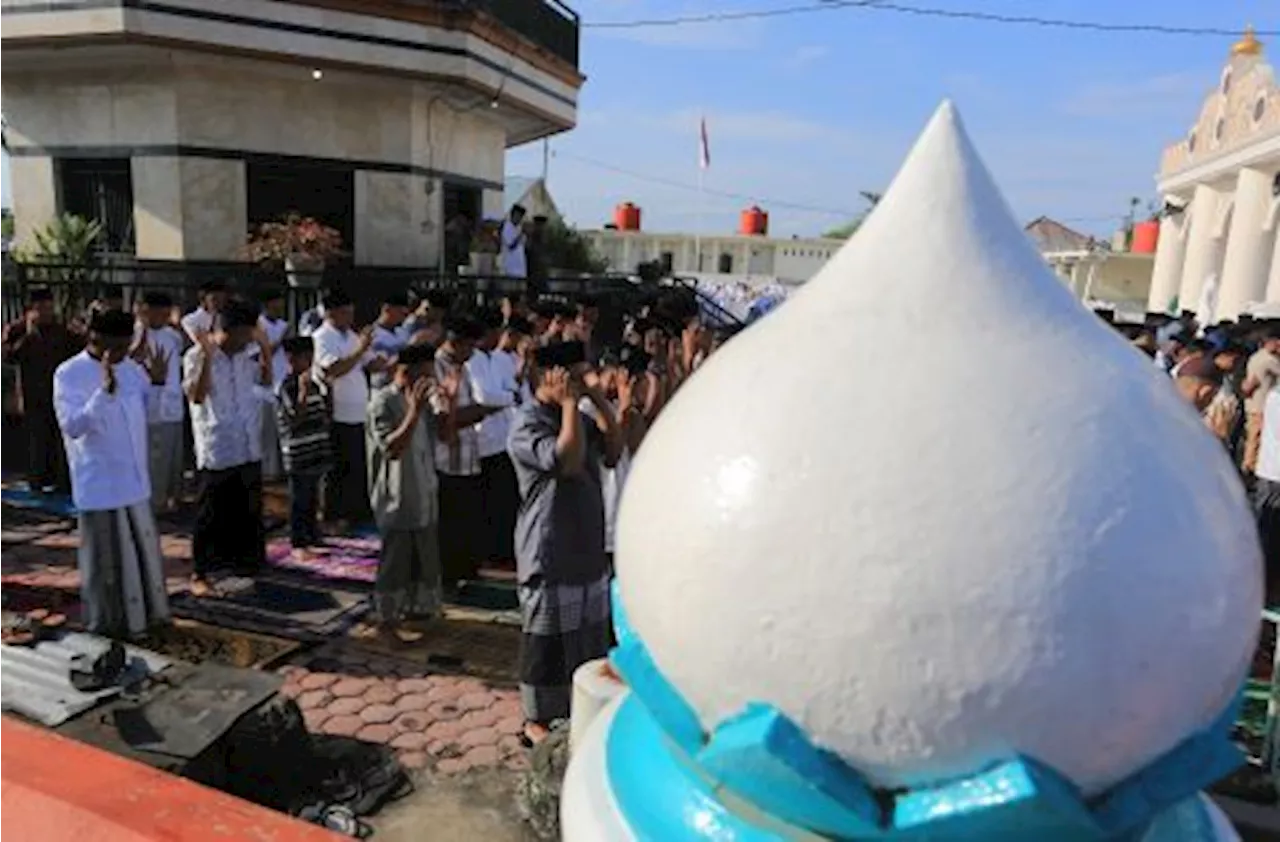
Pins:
x: 274, y: 189
x: 726, y: 264
x: 100, y: 189
x: 1218, y: 128
x: 668, y: 261
x: 1226, y: 82
x: 1191, y: 142
x: 1259, y: 108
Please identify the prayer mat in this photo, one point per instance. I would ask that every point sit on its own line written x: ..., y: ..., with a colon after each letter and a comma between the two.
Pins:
x: 20, y: 495
x: 488, y: 595
x: 341, y: 559
x: 279, y: 607
x: 24, y: 525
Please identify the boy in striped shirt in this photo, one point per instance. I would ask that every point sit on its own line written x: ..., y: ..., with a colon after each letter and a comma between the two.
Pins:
x: 303, y: 410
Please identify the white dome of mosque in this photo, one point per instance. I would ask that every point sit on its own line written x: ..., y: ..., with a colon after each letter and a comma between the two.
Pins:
x: 937, y: 514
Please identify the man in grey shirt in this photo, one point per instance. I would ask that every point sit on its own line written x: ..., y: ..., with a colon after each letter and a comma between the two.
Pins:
x: 560, y: 554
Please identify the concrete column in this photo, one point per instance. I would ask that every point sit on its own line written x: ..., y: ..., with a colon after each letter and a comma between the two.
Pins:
x: 1076, y: 278
x: 1244, y: 265
x: 34, y: 188
x: 1166, y: 271
x: 1202, y: 250
x: 157, y: 207
x: 215, y: 207
x: 1273, y: 279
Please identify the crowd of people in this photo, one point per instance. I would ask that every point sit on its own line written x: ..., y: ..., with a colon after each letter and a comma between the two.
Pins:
x: 1231, y: 374
x: 466, y: 436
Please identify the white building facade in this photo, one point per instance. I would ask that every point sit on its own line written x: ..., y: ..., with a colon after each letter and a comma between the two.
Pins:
x: 733, y: 257
x: 1218, y: 253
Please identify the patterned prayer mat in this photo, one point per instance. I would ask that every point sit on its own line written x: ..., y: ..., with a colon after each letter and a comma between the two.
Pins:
x: 20, y: 495
x: 343, y: 559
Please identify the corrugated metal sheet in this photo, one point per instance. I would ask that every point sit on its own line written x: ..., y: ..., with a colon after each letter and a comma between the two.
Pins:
x: 36, y: 681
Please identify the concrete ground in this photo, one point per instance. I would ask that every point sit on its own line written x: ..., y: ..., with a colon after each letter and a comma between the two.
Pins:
x: 478, y: 805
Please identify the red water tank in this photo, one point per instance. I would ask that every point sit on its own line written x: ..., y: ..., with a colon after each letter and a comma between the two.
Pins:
x: 1146, y: 235
x: 753, y: 222
x: 627, y: 217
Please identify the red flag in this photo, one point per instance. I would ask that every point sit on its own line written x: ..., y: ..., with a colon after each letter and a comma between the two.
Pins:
x: 704, y: 148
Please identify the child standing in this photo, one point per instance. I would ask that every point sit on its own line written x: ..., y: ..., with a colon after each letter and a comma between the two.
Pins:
x: 303, y: 408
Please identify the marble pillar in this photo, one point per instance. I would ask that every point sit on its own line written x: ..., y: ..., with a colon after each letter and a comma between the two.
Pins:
x: 34, y: 188
x: 157, y: 207
x: 1203, y: 250
x: 1248, y: 249
x: 1166, y: 271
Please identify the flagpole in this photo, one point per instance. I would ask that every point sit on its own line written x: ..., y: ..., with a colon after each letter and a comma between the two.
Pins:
x: 697, y: 231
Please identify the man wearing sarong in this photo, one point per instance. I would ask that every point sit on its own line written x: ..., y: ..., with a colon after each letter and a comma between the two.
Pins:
x: 100, y: 397
x: 402, y: 434
x: 562, y: 570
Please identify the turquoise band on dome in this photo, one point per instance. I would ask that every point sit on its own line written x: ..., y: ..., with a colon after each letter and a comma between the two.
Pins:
x: 765, y: 760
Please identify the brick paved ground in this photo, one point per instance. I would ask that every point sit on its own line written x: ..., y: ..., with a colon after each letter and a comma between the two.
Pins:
x: 447, y: 723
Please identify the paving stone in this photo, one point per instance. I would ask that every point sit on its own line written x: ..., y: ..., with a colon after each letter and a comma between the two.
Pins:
x: 505, y: 707
x: 342, y: 726
x: 445, y: 730
x: 293, y: 671
x: 291, y: 690
x: 444, y: 692
x: 475, y: 701
x: 313, y: 699
x: 443, y: 710
x: 510, y: 725
x: 470, y: 685
x: 451, y: 766
x: 414, y: 685
x: 381, y: 693
x: 509, y: 745
x: 378, y: 714
x: 478, y: 719
x: 412, y: 721
x: 480, y: 756
x: 411, y: 741
x: 413, y: 759
x: 376, y: 733
x: 443, y: 748
x: 314, y: 719
x: 318, y: 680
x: 350, y: 687
x: 517, y: 762
x: 413, y: 701
x: 479, y: 737
x: 344, y: 707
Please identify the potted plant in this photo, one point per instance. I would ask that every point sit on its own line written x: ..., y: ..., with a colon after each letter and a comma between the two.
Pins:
x: 299, y: 244
x: 1146, y: 234
x: 485, y: 246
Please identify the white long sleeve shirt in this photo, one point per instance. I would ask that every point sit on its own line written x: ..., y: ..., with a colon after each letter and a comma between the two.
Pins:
x: 105, y: 434
x: 493, y: 383
x: 166, y: 404
x: 514, y: 261
x: 227, y: 425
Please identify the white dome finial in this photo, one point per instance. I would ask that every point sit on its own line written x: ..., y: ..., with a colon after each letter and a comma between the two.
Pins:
x: 928, y: 510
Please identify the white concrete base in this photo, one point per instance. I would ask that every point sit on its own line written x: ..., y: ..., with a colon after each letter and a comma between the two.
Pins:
x: 594, y: 686
x: 588, y: 812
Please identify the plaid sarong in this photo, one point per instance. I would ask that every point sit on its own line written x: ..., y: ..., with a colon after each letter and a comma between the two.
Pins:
x: 563, y: 627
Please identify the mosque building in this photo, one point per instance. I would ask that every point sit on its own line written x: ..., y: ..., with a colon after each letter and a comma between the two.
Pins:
x: 1218, y: 252
x: 179, y: 125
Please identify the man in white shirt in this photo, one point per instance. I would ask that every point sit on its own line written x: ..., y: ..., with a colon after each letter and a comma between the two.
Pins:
x: 100, y: 399
x: 227, y: 388
x: 512, y: 237
x: 493, y: 384
x: 166, y: 406
x: 343, y: 359
x: 1266, y: 489
x: 204, y: 319
x: 274, y: 327
x: 389, y: 334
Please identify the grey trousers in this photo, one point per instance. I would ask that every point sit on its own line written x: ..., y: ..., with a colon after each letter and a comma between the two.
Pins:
x: 164, y: 443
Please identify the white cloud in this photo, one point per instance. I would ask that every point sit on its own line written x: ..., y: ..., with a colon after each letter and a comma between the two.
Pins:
x: 1169, y: 94
x: 806, y: 56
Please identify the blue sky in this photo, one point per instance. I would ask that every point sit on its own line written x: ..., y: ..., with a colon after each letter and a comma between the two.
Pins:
x: 812, y: 108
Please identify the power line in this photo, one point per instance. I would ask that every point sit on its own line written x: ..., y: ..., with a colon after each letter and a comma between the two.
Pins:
x: 926, y: 11
x: 724, y: 194
x: 765, y: 200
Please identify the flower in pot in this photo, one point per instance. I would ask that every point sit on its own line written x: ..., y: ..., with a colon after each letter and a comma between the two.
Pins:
x: 299, y: 244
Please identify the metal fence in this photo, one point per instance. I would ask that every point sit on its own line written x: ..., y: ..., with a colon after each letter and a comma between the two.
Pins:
x: 74, y: 286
